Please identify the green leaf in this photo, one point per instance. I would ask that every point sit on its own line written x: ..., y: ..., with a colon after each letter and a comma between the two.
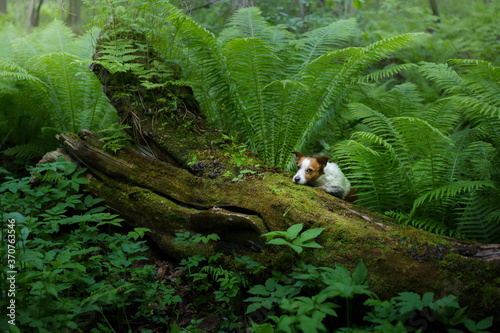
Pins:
x: 313, y: 245
x: 253, y: 307
x: 279, y: 241
x: 485, y: 323
x: 259, y: 290
x: 357, y: 4
x: 470, y: 324
x: 427, y: 299
x: 311, y: 234
x: 293, y: 231
x: 360, y: 273
x: 270, y: 235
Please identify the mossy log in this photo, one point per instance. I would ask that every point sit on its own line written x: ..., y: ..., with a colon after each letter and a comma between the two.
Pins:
x: 190, y: 179
x: 168, y: 199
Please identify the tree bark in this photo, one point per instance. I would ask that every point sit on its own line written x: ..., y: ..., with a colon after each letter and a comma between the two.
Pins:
x: 73, y: 16
x: 168, y: 193
x: 435, y: 9
x: 238, y: 4
x: 35, y: 15
x: 3, y: 6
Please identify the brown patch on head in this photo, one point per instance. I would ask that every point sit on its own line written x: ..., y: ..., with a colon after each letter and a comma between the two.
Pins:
x: 323, y: 161
x: 309, y: 169
x: 315, y: 169
x: 298, y: 156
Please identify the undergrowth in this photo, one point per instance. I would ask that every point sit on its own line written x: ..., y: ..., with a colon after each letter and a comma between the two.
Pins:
x: 77, y: 274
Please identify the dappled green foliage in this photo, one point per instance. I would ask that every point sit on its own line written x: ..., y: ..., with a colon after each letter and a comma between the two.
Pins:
x: 46, y: 88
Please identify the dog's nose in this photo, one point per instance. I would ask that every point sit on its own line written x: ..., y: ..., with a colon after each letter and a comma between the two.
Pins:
x: 296, y: 179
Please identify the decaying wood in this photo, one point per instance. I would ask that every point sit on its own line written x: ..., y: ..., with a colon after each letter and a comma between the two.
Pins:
x: 169, y: 193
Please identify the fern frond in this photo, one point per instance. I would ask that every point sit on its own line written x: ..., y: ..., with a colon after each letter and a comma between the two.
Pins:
x: 207, y: 63
x: 249, y: 23
x: 7, y: 35
x: 477, y: 90
x: 252, y: 65
x: 27, y: 151
x: 54, y: 89
x: 442, y: 115
x: 422, y: 222
x: 390, y: 136
x: 279, y: 93
x: 450, y: 190
x: 55, y: 37
x: 380, y: 50
x: 479, y: 216
x: 377, y: 182
x: 332, y: 73
x: 402, y: 100
x: 444, y: 76
x: 387, y: 72
x: 319, y: 41
x: 11, y: 69
x: 119, y: 55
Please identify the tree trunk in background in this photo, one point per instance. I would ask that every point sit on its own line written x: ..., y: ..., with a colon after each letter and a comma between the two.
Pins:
x: 3, y: 6
x: 435, y: 9
x: 28, y: 23
x: 36, y: 15
x: 163, y: 190
x: 33, y: 16
x: 238, y: 4
x: 73, y: 15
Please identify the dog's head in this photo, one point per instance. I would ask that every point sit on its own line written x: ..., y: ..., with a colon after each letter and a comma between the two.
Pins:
x: 308, y: 168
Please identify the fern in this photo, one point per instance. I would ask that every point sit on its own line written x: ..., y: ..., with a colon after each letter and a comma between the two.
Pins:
x: 479, y: 216
x: 425, y: 162
x: 317, y: 42
x: 437, y: 175
x: 450, y: 190
x: 249, y: 23
x: 50, y: 87
x: 27, y: 151
x: 273, y: 90
x: 476, y: 90
x: 423, y: 222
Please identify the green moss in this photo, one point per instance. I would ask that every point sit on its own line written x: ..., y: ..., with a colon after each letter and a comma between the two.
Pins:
x: 477, y: 284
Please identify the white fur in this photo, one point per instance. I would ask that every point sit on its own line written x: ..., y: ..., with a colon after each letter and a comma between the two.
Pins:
x: 330, y: 181
x: 333, y: 177
x: 300, y: 177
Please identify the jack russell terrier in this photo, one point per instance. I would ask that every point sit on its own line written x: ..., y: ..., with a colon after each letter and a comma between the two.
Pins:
x: 317, y: 172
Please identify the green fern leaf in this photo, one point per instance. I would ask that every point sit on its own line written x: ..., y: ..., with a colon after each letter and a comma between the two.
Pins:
x: 479, y: 216
x: 317, y: 42
x: 450, y: 190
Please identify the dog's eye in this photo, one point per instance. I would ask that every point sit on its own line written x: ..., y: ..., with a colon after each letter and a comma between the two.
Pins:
x: 309, y: 170
x: 298, y: 167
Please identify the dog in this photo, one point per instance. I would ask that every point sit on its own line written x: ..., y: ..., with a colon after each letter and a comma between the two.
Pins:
x: 318, y: 172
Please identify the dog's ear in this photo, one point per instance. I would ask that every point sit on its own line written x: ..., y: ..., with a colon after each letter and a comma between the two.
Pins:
x: 298, y: 155
x: 323, y: 161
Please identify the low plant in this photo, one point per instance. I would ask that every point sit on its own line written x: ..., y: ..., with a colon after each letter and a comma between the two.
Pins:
x: 115, y: 137
x: 47, y: 88
x: 74, y: 273
x: 305, y: 301
x: 294, y: 239
x: 241, y: 175
x: 226, y: 285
